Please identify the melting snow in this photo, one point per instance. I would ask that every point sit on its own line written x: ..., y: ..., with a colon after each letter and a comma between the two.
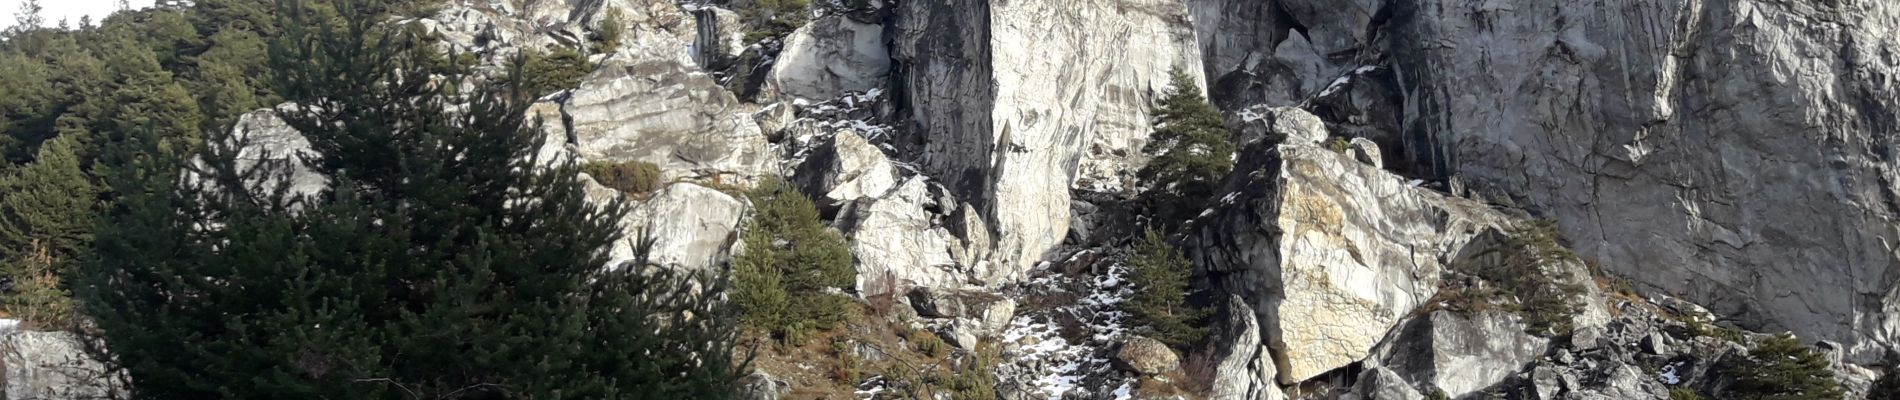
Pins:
x: 1668, y: 375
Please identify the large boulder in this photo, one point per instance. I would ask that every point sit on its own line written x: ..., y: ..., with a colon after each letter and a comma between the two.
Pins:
x: 54, y: 365
x: 261, y: 138
x: 846, y: 168
x: 1331, y: 252
x: 829, y: 57
x: 1460, y: 353
x: 691, y: 226
x: 1146, y: 356
x: 650, y: 103
x: 1020, y: 99
x: 1736, y: 153
x: 899, y: 243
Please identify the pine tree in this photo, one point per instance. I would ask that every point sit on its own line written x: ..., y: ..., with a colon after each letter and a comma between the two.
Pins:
x: 1781, y: 368
x: 440, y: 262
x: 1193, y: 151
x: 1160, y: 276
x: 47, y: 205
x: 786, y: 279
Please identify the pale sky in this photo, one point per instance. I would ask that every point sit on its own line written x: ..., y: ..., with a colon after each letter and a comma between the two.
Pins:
x: 54, y: 10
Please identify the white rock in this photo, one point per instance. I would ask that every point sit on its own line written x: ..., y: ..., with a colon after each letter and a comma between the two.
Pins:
x: 650, y: 103
x: 1021, y: 99
x: 1332, y: 252
x: 54, y: 365
x: 692, y: 226
x: 828, y: 57
x: 897, y: 244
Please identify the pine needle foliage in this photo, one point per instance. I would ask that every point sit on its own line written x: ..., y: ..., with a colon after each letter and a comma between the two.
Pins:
x: 442, y: 260
x: 1781, y: 368
x: 1192, y: 149
x: 791, y: 275
x: 1160, y: 276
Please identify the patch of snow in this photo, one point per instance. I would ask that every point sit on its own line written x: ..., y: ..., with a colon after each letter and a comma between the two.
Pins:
x: 1127, y: 391
x: 1668, y: 375
x: 1059, y: 364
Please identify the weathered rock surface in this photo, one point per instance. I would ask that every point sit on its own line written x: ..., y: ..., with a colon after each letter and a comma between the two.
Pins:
x: 1460, y: 354
x: 1331, y: 252
x: 1020, y: 99
x: 1735, y: 152
x: 899, y: 242
x: 1379, y: 383
x: 1146, y: 356
x: 846, y: 168
x: 1246, y: 370
x: 263, y: 138
x: 828, y: 57
x: 691, y: 226
x: 650, y: 103
x: 54, y: 365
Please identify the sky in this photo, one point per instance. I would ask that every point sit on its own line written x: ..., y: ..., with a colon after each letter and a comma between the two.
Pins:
x: 53, y: 10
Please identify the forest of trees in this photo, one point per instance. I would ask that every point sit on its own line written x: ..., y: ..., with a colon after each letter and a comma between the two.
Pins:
x: 440, y: 262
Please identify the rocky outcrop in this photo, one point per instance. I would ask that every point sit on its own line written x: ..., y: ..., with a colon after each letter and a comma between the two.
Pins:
x: 1735, y: 152
x: 1020, y: 99
x: 828, y: 57
x: 1330, y: 251
x: 54, y: 365
x: 650, y: 103
x: 899, y: 243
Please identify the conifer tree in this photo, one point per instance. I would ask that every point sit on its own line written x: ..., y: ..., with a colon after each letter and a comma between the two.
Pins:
x: 442, y: 261
x: 48, y: 204
x: 1193, y: 151
x: 1160, y: 275
x: 786, y: 278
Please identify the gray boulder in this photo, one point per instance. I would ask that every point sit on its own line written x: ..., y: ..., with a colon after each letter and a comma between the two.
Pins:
x: 692, y: 226
x: 847, y: 168
x: 1145, y: 356
x: 1246, y: 369
x: 1460, y: 354
x: 1378, y: 383
x: 828, y: 57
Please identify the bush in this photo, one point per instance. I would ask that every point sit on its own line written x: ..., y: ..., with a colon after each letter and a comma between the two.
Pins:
x: 607, y: 37
x: 1546, y: 298
x: 1192, y: 149
x: 1160, y: 276
x: 1782, y: 368
x: 766, y: 19
x: 631, y: 177
x: 787, y: 279
x: 1682, y: 393
x: 1339, y: 145
x: 926, y: 342
x: 554, y: 71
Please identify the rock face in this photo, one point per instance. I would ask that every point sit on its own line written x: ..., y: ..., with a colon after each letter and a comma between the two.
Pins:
x: 54, y: 365
x: 1020, y: 99
x: 830, y: 56
x: 1331, y: 252
x: 898, y: 243
x: 1246, y: 369
x: 1378, y: 383
x: 1734, y: 152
